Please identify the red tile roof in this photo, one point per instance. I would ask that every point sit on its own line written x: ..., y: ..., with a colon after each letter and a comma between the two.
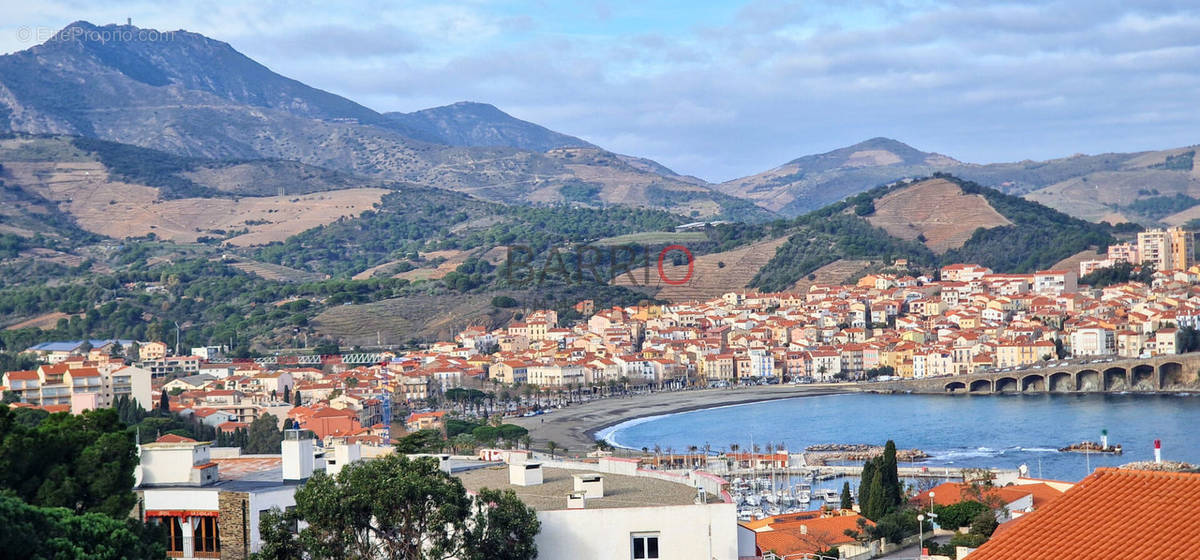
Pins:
x: 172, y: 438
x: 1110, y: 514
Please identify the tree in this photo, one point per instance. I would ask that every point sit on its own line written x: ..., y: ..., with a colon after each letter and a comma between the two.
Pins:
x: 164, y: 402
x: 876, y: 506
x: 892, y: 493
x: 134, y: 352
x: 864, y: 485
x: 847, y: 500
x: 39, y: 532
x: 10, y: 397
x: 503, y: 527
x: 82, y: 462
x: 960, y: 514
x: 264, y: 436
x: 296, y: 399
x: 984, y: 523
x: 551, y: 446
x: 396, y: 507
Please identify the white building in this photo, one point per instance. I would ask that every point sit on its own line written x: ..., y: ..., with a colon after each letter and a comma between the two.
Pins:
x: 208, y: 515
x: 628, y: 514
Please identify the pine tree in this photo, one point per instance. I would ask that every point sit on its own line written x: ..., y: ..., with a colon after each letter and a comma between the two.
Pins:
x: 296, y: 399
x: 164, y: 403
x: 847, y: 500
x: 287, y: 396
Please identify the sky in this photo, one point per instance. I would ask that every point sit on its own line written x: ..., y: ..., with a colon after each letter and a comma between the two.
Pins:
x: 726, y: 89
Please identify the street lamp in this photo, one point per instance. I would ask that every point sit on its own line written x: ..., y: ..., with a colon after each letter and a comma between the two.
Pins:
x: 931, y: 500
x: 920, y: 536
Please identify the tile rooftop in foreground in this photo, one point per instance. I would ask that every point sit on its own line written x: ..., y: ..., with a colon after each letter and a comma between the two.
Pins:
x: 619, y: 490
x: 1110, y: 514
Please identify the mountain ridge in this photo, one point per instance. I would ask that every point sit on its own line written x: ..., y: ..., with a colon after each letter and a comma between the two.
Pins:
x: 198, y: 97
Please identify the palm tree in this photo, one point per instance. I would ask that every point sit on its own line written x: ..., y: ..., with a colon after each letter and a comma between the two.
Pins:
x: 526, y: 440
x: 692, y: 449
x: 551, y: 446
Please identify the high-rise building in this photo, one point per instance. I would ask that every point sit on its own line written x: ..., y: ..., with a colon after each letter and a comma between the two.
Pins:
x: 1167, y: 249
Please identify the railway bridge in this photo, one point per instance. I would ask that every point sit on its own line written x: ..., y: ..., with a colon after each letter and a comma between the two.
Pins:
x: 1099, y: 374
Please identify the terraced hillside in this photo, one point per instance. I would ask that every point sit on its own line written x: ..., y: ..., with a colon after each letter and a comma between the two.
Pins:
x: 936, y: 212
x: 713, y: 274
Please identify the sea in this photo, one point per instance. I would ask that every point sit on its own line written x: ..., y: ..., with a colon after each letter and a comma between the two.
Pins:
x: 1003, y: 431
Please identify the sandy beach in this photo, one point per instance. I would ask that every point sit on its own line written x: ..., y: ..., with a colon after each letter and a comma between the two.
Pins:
x: 575, y: 426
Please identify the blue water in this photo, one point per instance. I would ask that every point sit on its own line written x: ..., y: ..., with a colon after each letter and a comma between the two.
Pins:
x: 988, y: 431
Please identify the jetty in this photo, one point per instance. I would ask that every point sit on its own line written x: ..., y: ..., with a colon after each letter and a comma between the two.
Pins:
x: 1091, y: 447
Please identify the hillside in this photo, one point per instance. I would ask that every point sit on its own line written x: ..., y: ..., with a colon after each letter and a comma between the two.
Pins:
x: 1104, y: 187
x: 87, y: 184
x: 936, y: 212
x: 928, y: 222
x: 480, y: 124
x: 196, y: 97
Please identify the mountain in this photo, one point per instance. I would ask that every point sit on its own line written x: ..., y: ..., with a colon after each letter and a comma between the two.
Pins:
x: 193, y: 96
x: 810, y: 182
x: 483, y: 125
x: 1112, y: 187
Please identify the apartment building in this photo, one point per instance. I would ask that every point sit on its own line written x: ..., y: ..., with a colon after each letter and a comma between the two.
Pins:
x: 91, y: 386
x: 1167, y: 249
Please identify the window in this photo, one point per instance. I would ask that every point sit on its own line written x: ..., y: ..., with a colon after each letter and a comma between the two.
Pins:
x: 207, y: 541
x: 645, y: 545
x: 174, y: 533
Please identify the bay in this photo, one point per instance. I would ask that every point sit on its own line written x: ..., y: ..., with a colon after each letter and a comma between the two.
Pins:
x: 1001, y: 431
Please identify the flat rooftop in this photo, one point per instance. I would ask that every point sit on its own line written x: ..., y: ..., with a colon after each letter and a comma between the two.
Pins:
x: 619, y: 490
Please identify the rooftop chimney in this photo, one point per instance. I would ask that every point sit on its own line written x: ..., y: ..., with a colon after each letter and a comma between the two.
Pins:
x: 1158, y: 451
x: 298, y: 457
x: 525, y: 474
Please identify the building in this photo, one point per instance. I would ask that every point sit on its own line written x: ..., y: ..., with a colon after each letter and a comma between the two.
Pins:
x: 62, y: 382
x: 210, y: 506
x: 1167, y: 249
x: 613, y: 510
x: 1102, y: 515
x: 803, y: 534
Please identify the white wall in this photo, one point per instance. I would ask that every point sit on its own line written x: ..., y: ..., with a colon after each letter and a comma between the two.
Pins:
x: 179, y: 499
x: 281, y: 498
x: 688, y: 532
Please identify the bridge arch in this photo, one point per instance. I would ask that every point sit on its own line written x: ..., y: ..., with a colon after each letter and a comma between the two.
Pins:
x: 1142, y: 378
x: 980, y: 386
x: 1171, y: 375
x: 1060, y: 382
x: 1006, y: 385
x: 1089, y: 380
x: 956, y: 386
x: 1033, y: 383
x: 1116, y: 379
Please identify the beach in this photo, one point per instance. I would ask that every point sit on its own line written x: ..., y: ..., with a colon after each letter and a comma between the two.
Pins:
x: 575, y: 426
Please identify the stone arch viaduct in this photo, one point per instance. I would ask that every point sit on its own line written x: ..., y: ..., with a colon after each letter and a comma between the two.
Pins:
x: 1169, y: 373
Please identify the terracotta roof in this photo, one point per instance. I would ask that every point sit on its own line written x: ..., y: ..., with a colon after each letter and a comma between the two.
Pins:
x: 1107, y: 515
x: 172, y: 438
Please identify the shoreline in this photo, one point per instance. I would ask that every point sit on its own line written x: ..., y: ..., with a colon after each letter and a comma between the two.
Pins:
x: 576, y: 426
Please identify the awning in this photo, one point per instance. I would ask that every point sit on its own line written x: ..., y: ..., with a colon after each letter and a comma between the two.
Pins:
x: 180, y: 513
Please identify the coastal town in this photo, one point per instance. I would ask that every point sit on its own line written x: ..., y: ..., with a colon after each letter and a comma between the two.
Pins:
x: 466, y: 280
x: 467, y: 399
